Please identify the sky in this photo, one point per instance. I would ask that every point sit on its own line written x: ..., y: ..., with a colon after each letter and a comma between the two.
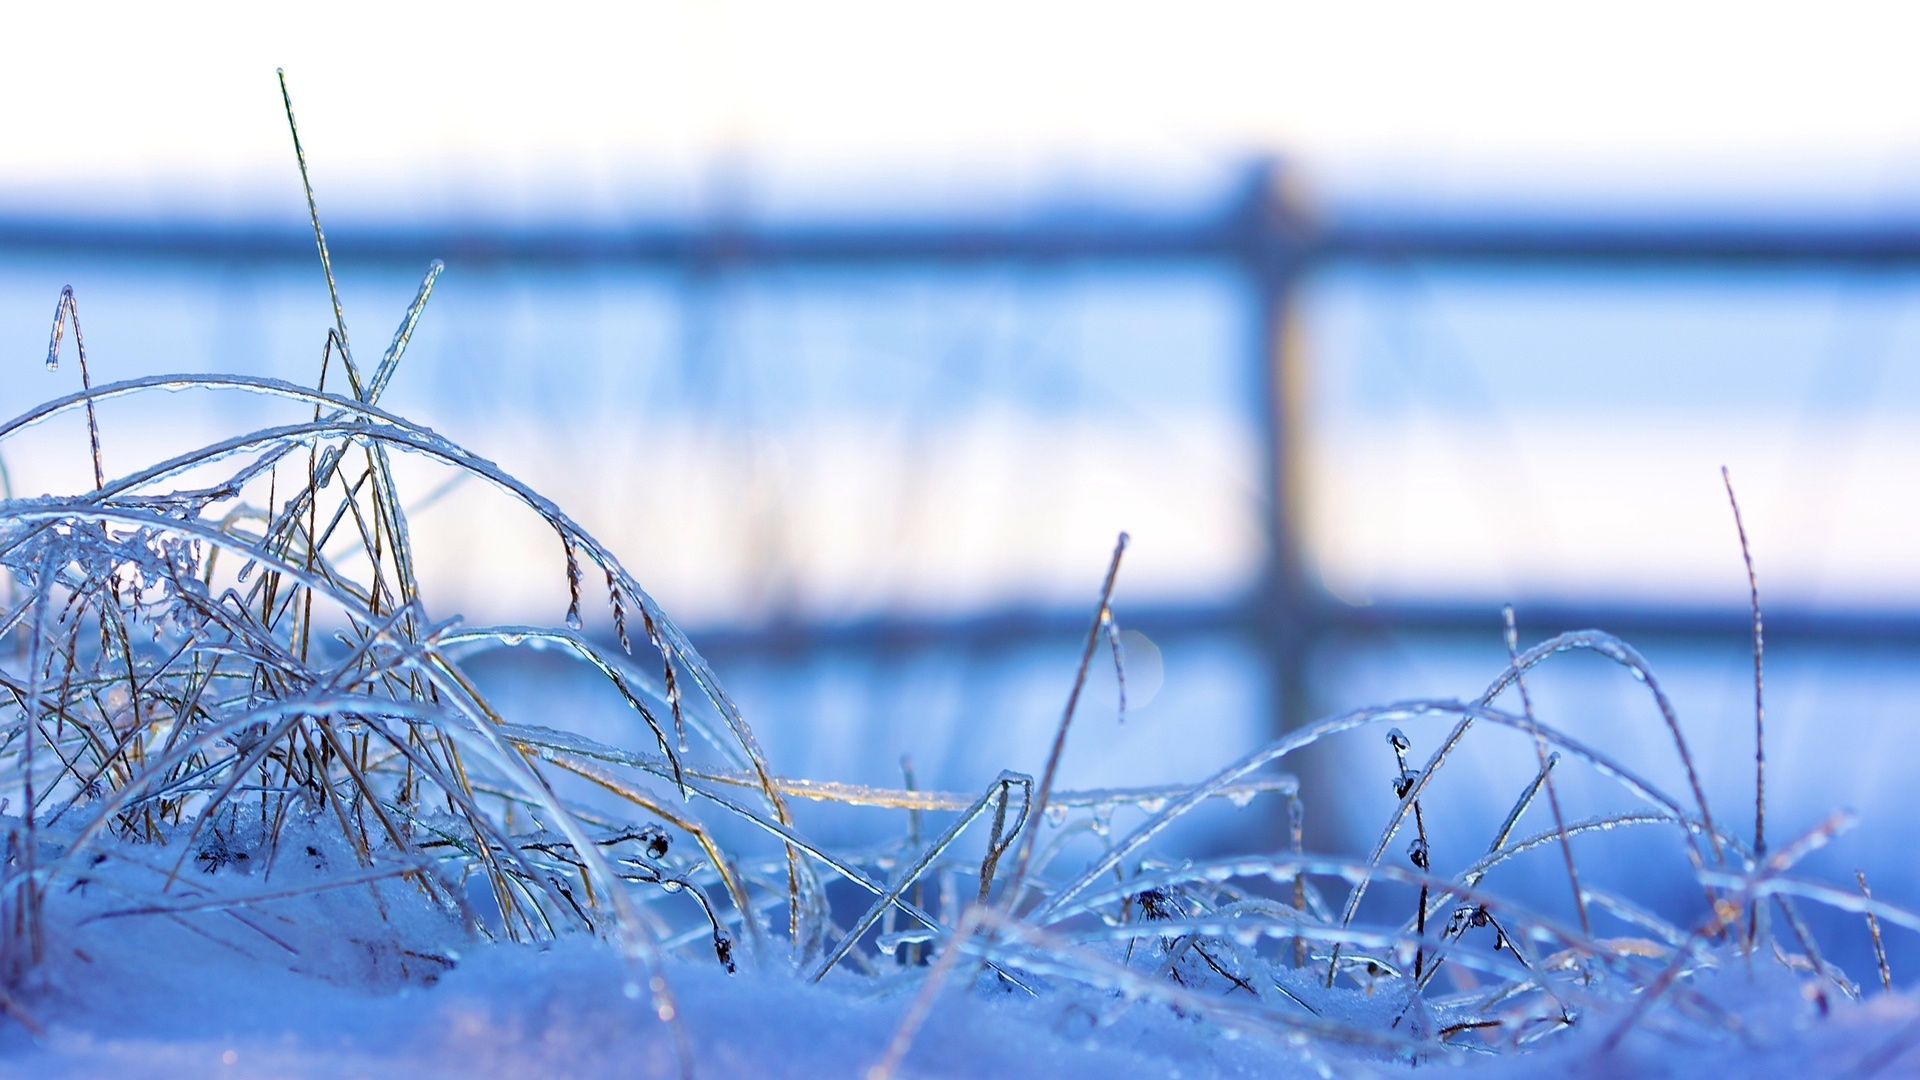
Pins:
x: 412, y: 111
x: 508, y: 109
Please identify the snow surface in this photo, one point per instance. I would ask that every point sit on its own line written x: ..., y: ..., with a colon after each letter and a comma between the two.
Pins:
x: 205, y: 994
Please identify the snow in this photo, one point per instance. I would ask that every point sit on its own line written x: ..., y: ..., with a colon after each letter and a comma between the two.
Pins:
x: 368, y: 981
x: 153, y: 999
x: 159, y: 1005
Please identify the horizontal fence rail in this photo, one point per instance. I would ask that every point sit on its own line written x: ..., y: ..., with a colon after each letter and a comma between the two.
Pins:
x: 1058, y: 239
x: 1021, y: 627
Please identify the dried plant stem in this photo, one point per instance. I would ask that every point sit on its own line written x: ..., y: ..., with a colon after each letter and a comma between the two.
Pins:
x: 1044, y: 791
x: 1296, y: 835
x: 1873, y: 927
x: 320, y: 239
x: 912, y: 951
x: 1759, y: 681
x: 1512, y: 636
x: 1420, y: 855
x: 63, y: 310
x: 1759, y: 705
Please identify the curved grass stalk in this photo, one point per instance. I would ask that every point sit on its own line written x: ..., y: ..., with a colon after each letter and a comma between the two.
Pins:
x: 934, y: 850
x: 1597, y: 641
x: 1313, y: 733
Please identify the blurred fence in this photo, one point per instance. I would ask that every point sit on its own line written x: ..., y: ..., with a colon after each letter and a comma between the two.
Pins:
x: 1265, y: 247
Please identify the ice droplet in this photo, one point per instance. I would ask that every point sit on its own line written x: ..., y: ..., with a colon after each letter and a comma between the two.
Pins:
x: 1102, y: 819
x: 889, y: 943
x: 1240, y: 797
x: 1056, y: 815
x: 53, y: 361
x: 573, y: 617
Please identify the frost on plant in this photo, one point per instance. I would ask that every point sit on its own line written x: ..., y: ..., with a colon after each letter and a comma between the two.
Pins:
x: 221, y: 689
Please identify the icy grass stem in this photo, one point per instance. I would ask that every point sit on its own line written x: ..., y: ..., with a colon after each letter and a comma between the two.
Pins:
x: 1102, y: 616
x: 1759, y: 682
x: 1512, y: 638
x: 1759, y: 704
x: 66, y: 309
x: 232, y: 723
x: 1873, y: 927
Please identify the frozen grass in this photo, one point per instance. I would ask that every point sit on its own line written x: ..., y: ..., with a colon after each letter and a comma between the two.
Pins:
x: 231, y: 718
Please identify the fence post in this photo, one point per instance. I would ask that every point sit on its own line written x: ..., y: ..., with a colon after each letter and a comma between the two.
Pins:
x: 1276, y: 233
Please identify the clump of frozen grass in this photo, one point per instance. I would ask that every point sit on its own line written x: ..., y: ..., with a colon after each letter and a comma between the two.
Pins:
x: 221, y: 690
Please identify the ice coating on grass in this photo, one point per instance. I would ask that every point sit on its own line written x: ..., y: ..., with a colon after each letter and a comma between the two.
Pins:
x: 1102, y: 818
x: 1194, y: 931
x: 218, y: 728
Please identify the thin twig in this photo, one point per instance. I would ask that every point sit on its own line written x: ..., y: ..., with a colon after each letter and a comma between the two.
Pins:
x: 1553, y: 796
x: 320, y: 239
x: 1759, y: 682
x: 1044, y: 791
x: 63, y: 309
x: 1873, y: 927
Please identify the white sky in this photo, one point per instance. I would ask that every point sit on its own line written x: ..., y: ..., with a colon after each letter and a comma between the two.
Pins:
x: 132, y: 102
x: 416, y: 109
